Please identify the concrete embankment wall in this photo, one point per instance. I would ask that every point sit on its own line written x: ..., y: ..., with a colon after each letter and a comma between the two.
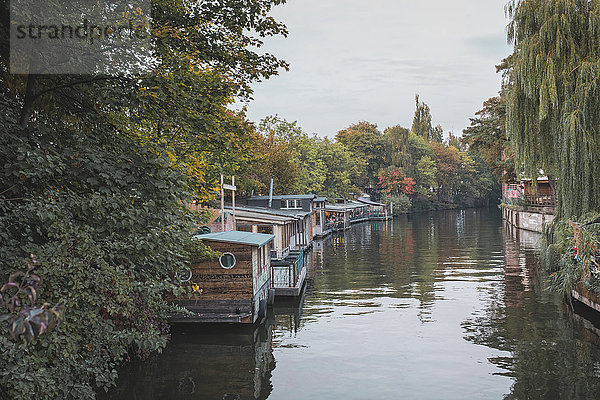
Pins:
x: 527, y: 218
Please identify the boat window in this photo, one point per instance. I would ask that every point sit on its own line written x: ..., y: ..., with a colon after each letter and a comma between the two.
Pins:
x: 292, y: 204
x: 265, y: 229
x: 184, y: 274
x: 227, y: 260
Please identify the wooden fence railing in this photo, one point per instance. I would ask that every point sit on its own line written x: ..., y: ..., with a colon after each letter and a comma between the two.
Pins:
x: 540, y: 200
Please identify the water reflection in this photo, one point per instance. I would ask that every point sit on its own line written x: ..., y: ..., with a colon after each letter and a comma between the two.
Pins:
x: 548, y: 354
x: 441, y: 305
x: 223, y: 363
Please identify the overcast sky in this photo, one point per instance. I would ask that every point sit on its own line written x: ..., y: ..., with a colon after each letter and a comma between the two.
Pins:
x: 364, y: 60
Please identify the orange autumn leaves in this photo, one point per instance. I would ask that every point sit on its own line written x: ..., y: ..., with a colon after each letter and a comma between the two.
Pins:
x: 394, y: 181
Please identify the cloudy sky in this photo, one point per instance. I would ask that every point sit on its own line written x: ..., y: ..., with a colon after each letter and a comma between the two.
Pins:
x: 364, y: 60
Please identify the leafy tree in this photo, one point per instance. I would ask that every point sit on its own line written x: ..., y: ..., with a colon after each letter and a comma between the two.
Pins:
x: 301, y: 163
x: 274, y: 159
x: 479, y: 185
x: 104, y: 217
x: 401, y: 203
x: 448, y: 162
x: 467, y: 185
x: 418, y: 147
x: 437, y: 135
x: 421, y: 125
x: 343, y: 170
x: 392, y: 181
x: 365, y: 142
x: 397, y: 141
x: 426, y: 175
x: 487, y: 136
x: 553, y: 98
x: 94, y: 174
x: 276, y: 126
x: 305, y: 154
x: 455, y: 141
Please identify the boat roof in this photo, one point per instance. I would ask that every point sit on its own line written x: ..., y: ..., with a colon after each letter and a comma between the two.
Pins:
x: 320, y: 199
x: 290, y: 213
x: 354, y: 204
x: 285, y: 197
x: 336, y: 207
x: 368, y: 201
x: 262, y: 216
x: 238, y: 237
x: 351, y: 205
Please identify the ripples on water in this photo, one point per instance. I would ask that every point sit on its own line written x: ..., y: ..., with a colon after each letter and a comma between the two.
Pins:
x: 446, y: 305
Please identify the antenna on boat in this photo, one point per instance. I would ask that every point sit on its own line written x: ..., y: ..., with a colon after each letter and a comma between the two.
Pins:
x: 222, y: 206
x: 271, y: 194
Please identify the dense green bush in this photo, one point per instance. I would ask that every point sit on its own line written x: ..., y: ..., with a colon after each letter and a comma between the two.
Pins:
x: 401, y: 203
x: 104, y: 217
x: 421, y: 203
x: 568, y: 264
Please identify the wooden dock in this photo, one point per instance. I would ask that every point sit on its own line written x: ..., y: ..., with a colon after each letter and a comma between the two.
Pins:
x: 288, y: 275
x: 587, y: 297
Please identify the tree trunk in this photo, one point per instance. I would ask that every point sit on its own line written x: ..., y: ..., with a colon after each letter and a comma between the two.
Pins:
x: 27, y: 107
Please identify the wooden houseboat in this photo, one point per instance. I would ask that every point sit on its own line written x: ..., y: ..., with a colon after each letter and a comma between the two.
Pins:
x: 320, y: 221
x: 376, y: 211
x: 285, y: 228
x: 337, y: 217
x: 288, y: 266
x: 235, y: 286
x: 358, y: 212
x: 301, y: 206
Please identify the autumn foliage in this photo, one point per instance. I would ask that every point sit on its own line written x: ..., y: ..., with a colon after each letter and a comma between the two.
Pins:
x: 394, y: 181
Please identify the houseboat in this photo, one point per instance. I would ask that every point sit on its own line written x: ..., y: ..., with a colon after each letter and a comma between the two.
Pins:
x: 320, y: 221
x: 337, y: 217
x: 301, y: 206
x: 286, y: 229
x: 235, y: 286
x: 358, y: 211
x: 288, y: 265
x: 376, y: 211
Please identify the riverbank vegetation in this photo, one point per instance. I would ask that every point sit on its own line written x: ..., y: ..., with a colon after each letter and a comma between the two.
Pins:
x: 95, y: 171
x: 412, y: 168
x: 546, y: 119
x: 554, y: 125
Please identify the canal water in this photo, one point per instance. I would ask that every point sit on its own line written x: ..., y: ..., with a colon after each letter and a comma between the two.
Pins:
x: 444, y: 305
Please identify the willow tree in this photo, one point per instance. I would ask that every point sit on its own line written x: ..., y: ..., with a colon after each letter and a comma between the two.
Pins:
x: 397, y: 139
x: 554, y: 96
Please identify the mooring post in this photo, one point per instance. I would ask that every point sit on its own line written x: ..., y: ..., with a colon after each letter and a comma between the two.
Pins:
x: 222, y: 206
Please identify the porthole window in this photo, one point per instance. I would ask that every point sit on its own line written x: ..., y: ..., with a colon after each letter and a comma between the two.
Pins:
x: 184, y: 274
x: 227, y: 260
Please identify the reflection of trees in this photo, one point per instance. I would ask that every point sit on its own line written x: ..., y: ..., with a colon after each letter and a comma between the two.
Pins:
x: 406, y: 258
x: 548, y: 360
x: 205, y: 363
